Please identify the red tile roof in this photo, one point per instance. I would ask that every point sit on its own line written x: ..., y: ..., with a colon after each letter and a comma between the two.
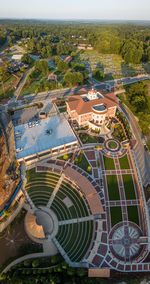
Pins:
x: 77, y: 103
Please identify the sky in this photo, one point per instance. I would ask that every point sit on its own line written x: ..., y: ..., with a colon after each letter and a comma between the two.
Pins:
x: 76, y: 9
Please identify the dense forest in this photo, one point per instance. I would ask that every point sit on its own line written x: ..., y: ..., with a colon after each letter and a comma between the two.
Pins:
x: 131, y: 41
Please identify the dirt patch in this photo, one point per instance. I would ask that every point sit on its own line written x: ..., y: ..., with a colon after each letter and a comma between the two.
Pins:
x: 7, y: 184
x: 14, y: 241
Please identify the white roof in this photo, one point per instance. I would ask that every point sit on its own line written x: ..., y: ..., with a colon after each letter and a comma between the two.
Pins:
x: 35, y: 139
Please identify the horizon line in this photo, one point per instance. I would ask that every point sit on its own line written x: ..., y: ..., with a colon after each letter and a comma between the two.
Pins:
x: 72, y: 19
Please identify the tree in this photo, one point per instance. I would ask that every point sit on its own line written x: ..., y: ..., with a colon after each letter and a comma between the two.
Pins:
x: 137, y: 95
x: 27, y: 59
x: 35, y: 263
x: 66, y: 157
x: 132, y: 51
x: 62, y: 66
x: 98, y: 74
x: 89, y: 169
x: 42, y: 66
x: 73, y: 78
x: 148, y: 54
x: 2, y: 77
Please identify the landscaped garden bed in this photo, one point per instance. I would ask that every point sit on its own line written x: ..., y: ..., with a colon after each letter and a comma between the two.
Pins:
x: 65, y: 157
x: 62, y: 109
x: 87, y: 139
x: 119, y: 133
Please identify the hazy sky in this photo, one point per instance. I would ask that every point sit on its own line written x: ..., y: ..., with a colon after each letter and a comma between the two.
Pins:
x: 76, y: 9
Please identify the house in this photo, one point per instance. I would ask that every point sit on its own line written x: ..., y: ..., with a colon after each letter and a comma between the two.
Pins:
x: 68, y: 59
x: 81, y: 46
x: 92, y: 109
x: 89, y: 47
x: 52, y: 77
x: 17, y: 57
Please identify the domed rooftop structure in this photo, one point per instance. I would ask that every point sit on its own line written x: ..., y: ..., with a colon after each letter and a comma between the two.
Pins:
x: 93, y: 94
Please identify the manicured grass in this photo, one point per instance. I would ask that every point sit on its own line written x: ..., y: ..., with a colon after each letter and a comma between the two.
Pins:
x: 124, y: 163
x: 116, y: 215
x: 76, y: 238
x: 82, y: 162
x: 133, y: 215
x: 112, y: 145
x: 113, y: 189
x: 129, y: 187
x: 40, y: 187
x: 109, y: 163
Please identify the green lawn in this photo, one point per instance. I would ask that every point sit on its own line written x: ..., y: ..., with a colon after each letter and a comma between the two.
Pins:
x: 82, y: 162
x: 133, y: 215
x: 109, y: 163
x: 113, y: 189
x: 129, y: 187
x: 116, y: 215
x: 124, y: 163
x: 112, y: 144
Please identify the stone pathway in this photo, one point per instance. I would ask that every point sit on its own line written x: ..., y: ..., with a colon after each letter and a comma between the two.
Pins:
x: 55, y: 190
x: 62, y: 251
x: 76, y: 220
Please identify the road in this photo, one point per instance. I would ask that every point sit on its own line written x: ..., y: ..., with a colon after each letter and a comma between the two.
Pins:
x: 142, y: 156
x: 107, y: 85
x: 22, y: 82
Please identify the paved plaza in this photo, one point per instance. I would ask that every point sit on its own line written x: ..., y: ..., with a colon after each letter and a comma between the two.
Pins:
x: 101, y: 217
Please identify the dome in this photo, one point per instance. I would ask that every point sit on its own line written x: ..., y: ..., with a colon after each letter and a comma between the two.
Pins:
x: 100, y: 108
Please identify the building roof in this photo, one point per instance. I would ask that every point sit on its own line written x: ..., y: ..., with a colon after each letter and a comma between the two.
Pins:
x: 77, y: 103
x: 50, y: 133
x: 99, y: 272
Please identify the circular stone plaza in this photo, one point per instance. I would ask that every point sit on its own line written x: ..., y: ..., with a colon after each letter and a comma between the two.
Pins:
x: 95, y: 219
